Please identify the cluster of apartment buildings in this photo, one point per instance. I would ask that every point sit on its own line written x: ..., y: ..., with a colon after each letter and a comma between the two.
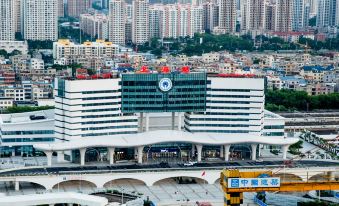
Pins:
x: 275, y: 18
x: 138, y: 22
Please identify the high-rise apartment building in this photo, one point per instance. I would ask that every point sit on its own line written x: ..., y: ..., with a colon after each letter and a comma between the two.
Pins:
x: 95, y: 25
x: 328, y: 13
x: 7, y: 29
x: 117, y: 21
x: 61, y: 8
x: 175, y: 20
x: 284, y: 15
x: 156, y: 11
x: 298, y: 15
x: 228, y: 15
x: 270, y: 17
x: 211, y: 15
x: 17, y: 15
x: 253, y: 15
x: 40, y: 19
x: 140, y: 21
x: 77, y: 7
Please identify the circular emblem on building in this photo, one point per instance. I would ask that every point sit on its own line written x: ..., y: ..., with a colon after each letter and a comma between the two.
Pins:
x: 165, y: 84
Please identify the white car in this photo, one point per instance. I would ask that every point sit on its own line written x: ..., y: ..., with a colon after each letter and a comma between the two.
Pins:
x: 190, y: 163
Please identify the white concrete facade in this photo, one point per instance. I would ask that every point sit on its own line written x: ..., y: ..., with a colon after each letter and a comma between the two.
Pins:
x: 40, y: 19
x: 71, y: 52
x: 7, y: 30
x: 234, y: 105
x: 20, y: 131
x: 117, y: 21
x: 140, y: 22
x: 90, y: 108
x: 11, y: 46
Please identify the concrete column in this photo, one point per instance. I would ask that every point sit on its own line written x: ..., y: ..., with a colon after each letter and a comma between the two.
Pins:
x: 60, y: 156
x: 179, y: 120
x: 254, y: 151
x: 17, y: 186
x: 140, y: 149
x: 13, y: 152
x: 284, y: 151
x: 331, y: 176
x: 193, y: 150
x: 173, y: 120
x: 227, y: 152
x: 147, y: 122
x: 199, y: 150
x: 135, y: 152
x: 221, y: 151
x: 49, y: 157
x: 82, y: 156
x: 141, y: 122
x: 111, y: 151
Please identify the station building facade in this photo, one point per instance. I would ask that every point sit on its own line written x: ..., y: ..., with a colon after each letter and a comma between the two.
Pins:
x: 195, y: 103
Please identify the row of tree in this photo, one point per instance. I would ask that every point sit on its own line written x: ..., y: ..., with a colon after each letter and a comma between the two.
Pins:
x: 204, y: 43
x: 290, y: 100
x: 22, y: 109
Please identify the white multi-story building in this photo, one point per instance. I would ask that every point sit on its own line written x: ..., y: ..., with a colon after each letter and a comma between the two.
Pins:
x: 284, y: 15
x: 95, y: 25
x: 328, y: 13
x: 70, y: 52
x: 221, y: 115
x: 156, y: 12
x: 253, y: 16
x: 140, y: 22
x: 117, y: 21
x: 234, y: 105
x: 298, y: 15
x: 7, y: 26
x: 17, y: 15
x: 228, y: 15
x: 90, y: 108
x: 39, y: 20
x: 175, y: 20
x: 37, y: 64
x: 20, y: 131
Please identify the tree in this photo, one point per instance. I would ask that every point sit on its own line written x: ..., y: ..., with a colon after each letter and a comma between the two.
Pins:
x: 312, y: 21
x: 3, y: 53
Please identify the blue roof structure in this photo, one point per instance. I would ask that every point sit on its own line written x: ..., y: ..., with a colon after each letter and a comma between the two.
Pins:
x: 318, y: 68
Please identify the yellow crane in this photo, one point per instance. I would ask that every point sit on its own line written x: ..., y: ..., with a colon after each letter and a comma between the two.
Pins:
x: 234, y: 183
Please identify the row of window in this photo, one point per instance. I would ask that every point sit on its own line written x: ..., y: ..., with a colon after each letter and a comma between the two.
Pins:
x: 224, y: 113
x: 107, y: 133
x: 219, y: 131
x: 48, y: 139
x: 216, y: 125
x: 110, y: 127
x: 100, y: 92
x: 234, y: 90
x: 274, y: 127
x: 232, y: 96
x: 218, y: 119
x: 27, y: 132
x: 109, y: 121
x: 273, y: 134
x: 100, y: 104
x: 99, y: 98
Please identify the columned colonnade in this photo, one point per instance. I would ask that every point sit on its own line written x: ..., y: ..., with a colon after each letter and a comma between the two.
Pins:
x: 138, y: 153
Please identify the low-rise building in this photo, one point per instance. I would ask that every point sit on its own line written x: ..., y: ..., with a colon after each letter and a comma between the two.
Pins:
x: 21, y: 130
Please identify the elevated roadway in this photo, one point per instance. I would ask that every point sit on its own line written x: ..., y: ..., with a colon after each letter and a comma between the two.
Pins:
x: 49, y: 177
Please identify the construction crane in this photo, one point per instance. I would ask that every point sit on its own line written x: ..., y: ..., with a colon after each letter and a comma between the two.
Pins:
x: 234, y: 183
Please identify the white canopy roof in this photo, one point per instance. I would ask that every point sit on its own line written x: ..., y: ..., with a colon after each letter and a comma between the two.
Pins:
x: 164, y: 136
x: 53, y: 198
